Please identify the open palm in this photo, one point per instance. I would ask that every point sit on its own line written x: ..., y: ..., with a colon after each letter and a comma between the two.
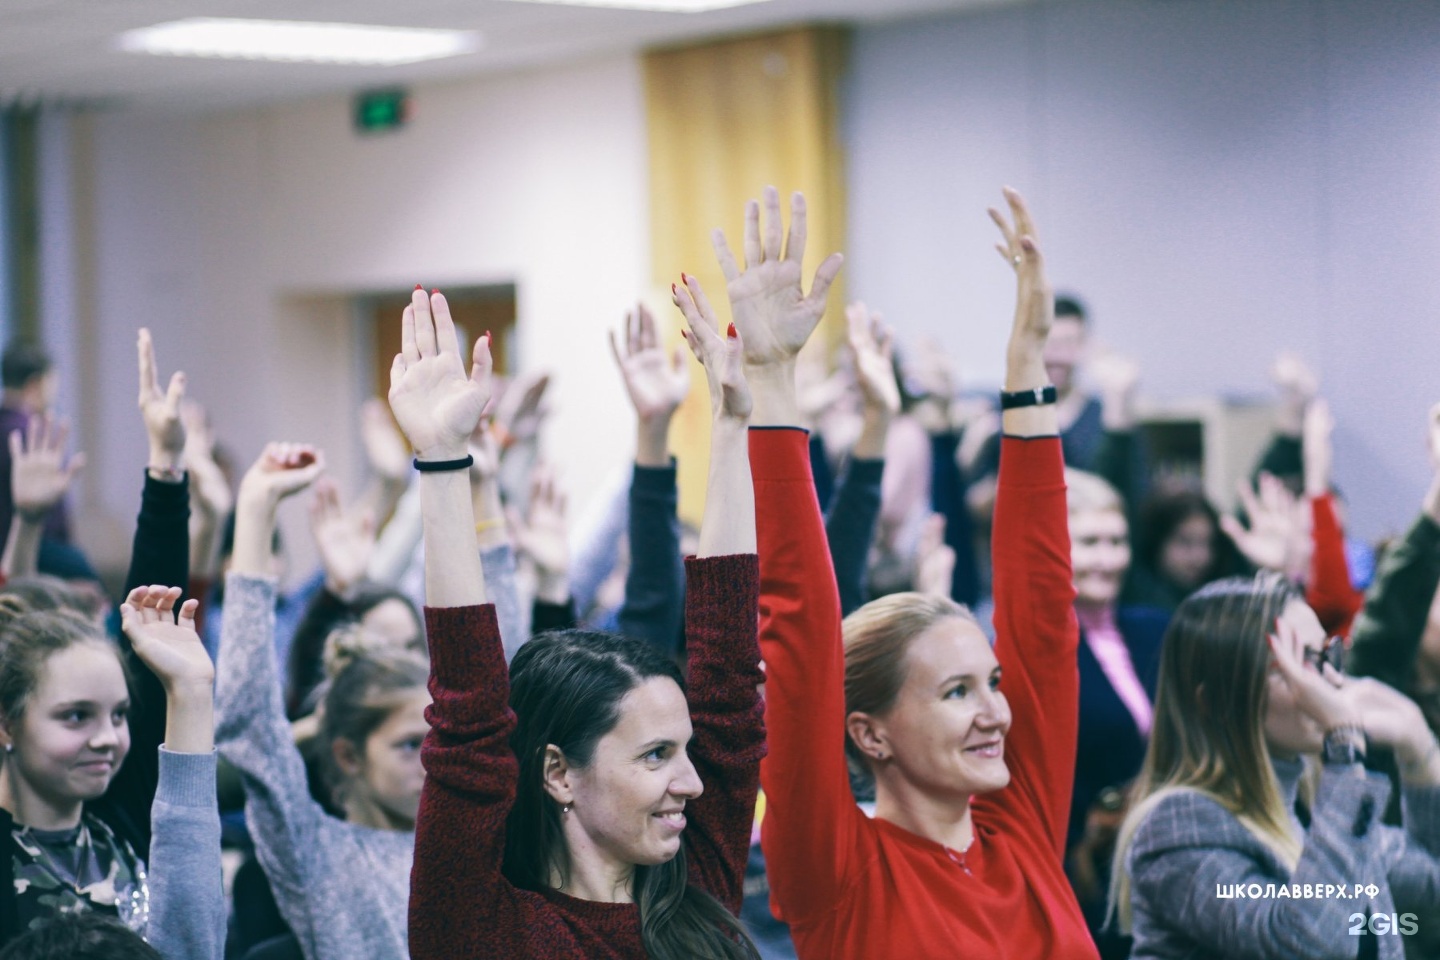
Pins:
x: 435, y: 403
x: 171, y: 649
x: 772, y: 312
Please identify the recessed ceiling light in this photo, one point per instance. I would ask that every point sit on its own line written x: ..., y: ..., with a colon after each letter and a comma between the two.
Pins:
x: 664, y: 6
x: 297, y: 41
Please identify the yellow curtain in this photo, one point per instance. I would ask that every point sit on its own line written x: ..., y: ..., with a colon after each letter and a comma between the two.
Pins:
x: 725, y: 120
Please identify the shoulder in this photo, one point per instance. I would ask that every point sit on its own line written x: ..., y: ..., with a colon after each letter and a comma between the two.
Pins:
x: 1188, y: 819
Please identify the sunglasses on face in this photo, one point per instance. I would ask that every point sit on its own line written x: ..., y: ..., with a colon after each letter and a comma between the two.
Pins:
x: 1333, y: 653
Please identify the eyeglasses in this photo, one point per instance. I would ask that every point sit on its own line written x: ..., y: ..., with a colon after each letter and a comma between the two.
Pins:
x: 1333, y: 653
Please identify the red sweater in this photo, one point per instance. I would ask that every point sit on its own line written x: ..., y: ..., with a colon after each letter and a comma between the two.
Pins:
x: 1329, y: 592
x: 461, y: 907
x: 853, y: 888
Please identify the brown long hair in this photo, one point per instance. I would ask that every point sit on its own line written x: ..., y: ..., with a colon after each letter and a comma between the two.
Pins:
x: 565, y: 689
x: 1209, y: 730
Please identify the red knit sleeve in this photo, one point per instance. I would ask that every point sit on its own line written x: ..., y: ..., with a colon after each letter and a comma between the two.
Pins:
x: 1036, y: 634
x: 460, y: 904
x: 811, y: 824
x: 721, y: 599
x: 1329, y: 592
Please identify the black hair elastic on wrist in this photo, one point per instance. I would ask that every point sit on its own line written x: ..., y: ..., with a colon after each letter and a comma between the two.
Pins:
x: 440, y: 466
x: 1010, y: 400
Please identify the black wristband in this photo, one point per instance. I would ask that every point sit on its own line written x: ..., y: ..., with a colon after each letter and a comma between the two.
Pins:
x: 1027, y: 398
x: 440, y: 466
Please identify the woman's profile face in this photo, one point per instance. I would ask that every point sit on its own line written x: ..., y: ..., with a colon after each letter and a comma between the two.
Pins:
x: 628, y: 805
x: 948, y: 726
x: 1290, y: 731
x: 393, y: 775
x: 1099, y: 555
x: 1189, y: 552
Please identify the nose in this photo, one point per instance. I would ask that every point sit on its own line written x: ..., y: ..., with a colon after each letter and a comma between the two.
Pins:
x: 687, y: 782
x: 106, y: 736
x: 994, y: 713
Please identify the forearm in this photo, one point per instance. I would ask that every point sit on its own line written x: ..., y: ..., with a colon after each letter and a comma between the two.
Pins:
x: 1419, y: 761
x: 187, y: 896
x: 1025, y: 370
x: 850, y: 528
x: 772, y: 388
x: 490, y: 529
x: 22, y: 546
x: 453, y: 575
x: 254, y: 528
x: 728, y: 525
x: 874, y: 429
x: 653, y: 610
x: 190, y: 719
x: 652, y: 437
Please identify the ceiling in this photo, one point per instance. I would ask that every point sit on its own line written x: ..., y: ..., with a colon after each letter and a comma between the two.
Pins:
x: 61, y: 50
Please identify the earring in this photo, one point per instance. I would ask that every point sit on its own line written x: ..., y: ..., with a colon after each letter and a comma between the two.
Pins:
x: 565, y: 809
x: 9, y: 748
x: 880, y: 755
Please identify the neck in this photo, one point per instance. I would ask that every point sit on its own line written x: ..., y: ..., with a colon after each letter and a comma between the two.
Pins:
x: 363, y: 813
x: 21, y: 400
x: 945, y: 820
x: 1092, y: 614
x: 593, y: 875
x: 28, y: 807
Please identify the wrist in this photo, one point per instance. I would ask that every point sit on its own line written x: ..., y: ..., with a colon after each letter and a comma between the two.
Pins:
x: 552, y: 587
x: 443, y: 451
x: 256, y: 502
x: 164, y: 459
x: 1417, y: 752
x: 652, y: 438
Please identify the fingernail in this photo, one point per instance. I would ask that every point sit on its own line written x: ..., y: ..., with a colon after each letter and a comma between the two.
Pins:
x: 419, y: 287
x: 674, y: 290
x: 730, y: 332
x: 433, y: 292
x: 684, y: 279
x: 685, y: 335
x: 487, y: 336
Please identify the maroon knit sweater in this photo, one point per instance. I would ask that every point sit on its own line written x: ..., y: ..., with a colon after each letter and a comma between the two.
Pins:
x: 461, y: 906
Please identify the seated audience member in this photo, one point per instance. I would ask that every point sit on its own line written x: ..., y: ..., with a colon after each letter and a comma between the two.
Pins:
x: 965, y: 853
x: 554, y: 816
x: 80, y: 936
x: 1118, y: 657
x: 29, y: 382
x: 370, y: 726
x: 1178, y: 549
x: 1255, y: 777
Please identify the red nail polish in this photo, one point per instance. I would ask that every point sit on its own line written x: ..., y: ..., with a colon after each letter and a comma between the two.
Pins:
x: 419, y: 287
x: 488, y: 338
x: 685, y: 335
x: 674, y: 290
x: 684, y: 279
x: 730, y: 332
x: 435, y: 291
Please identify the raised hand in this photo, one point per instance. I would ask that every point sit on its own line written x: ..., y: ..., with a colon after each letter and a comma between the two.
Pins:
x: 345, y: 541
x: 1274, y: 524
x: 384, y: 447
x: 873, y: 347
x: 39, y: 472
x: 1115, y: 377
x: 1034, y: 314
x: 520, y: 409
x: 722, y: 358
x: 1317, y: 447
x: 161, y: 412
x: 541, y: 536
x: 935, y: 559
x: 436, y: 404
x: 773, y: 313
x: 1389, y: 717
x: 655, y: 381
x: 209, y: 489
x: 1298, y: 385
x: 282, y: 470
x: 169, y: 647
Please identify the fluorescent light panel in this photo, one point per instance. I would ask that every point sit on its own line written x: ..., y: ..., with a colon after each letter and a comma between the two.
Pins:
x: 295, y: 41
x: 663, y: 6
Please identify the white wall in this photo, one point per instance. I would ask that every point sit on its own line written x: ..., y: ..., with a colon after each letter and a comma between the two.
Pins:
x: 1219, y: 180
x: 238, y: 239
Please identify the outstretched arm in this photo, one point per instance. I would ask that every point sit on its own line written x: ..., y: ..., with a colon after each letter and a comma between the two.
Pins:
x: 40, y: 475
x: 1327, y: 587
x: 1036, y: 636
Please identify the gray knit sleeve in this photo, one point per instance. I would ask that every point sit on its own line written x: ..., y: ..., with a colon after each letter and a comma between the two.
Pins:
x: 1203, y: 885
x: 187, y: 897
x: 498, y: 564
x: 252, y: 734
x: 1415, y: 858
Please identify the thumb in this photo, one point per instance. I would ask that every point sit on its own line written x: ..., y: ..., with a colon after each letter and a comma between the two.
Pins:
x: 481, y: 362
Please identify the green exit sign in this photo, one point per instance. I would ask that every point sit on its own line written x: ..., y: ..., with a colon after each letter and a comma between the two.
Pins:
x: 380, y: 110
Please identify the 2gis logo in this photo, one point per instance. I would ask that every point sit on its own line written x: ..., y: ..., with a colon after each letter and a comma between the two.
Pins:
x: 1382, y: 924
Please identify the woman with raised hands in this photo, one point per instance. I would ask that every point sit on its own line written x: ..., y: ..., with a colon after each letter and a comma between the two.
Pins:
x: 973, y: 775
x: 341, y: 885
x: 578, y: 804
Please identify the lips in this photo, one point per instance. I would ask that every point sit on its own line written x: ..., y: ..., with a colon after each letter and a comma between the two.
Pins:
x: 674, y: 819
x: 96, y: 766
x: 989, y: 750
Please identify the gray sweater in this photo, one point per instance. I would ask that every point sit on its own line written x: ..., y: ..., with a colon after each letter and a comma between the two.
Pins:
x: 343, y: 889
x: 187, y: 898
x: 1190, y: 851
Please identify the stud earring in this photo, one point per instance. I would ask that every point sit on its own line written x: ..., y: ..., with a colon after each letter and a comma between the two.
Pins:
x: 565, y: 809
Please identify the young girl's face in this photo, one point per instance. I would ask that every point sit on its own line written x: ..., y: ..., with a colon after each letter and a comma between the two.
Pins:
x: 392, y: 773
x: 74, y: 733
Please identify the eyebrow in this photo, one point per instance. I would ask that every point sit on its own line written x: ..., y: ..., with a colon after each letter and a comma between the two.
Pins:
x: 72, y: 704
x: 660, y: 743
x: 966, y: 676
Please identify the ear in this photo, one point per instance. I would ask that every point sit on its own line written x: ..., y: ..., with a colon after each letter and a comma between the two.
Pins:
x: 347, y: 757
x: 555, y: 770
x: 869, y: 735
